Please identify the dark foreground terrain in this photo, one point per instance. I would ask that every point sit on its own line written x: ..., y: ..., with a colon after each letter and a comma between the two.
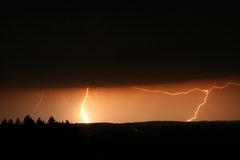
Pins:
x: 101, y: 139
x: 126, y: 134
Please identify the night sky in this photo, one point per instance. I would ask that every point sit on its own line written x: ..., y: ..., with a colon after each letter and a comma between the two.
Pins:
x: 51, y: 53
x: 69, y: 45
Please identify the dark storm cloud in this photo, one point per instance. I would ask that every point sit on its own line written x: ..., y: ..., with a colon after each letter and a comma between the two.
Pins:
x: 74, y: 45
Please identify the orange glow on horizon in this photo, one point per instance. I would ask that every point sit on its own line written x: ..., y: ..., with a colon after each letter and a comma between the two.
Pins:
x: 206, y: 91
x: 40, y: 99
x: 203, y: 100
x: 83, y: 111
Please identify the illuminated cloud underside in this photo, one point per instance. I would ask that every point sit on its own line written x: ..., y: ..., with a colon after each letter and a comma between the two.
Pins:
x: 205, y: 91
x: 86, y: 119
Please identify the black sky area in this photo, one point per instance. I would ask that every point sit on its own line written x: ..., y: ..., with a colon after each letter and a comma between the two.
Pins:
x: 67, y: 45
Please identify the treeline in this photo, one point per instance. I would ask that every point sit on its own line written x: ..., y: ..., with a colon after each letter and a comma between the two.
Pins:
x: 56, y: 133
x: 28, y: 121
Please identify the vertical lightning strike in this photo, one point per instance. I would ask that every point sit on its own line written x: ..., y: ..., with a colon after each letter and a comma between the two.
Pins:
x: 83, y: 111
x: 199, y: 106
x: 205, y: 91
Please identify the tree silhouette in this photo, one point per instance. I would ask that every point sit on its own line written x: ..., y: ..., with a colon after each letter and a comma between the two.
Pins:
x: 18, y: 122
x: 51, y: 120
x: 39, y: 122
x: 67, y: 122
x: 28, y: 121
x: 4, y: 122
x: 10, y: 122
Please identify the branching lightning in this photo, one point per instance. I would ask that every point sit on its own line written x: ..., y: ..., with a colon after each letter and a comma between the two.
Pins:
x: 84, y: 113
x: 205, y: 91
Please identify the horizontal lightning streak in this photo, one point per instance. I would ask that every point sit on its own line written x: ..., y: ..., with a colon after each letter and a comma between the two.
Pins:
x: 168, y: 93
x: 205, y: 91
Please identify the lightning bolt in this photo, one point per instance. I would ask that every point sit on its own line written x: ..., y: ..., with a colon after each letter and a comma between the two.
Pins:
x: 205, y: 91
x: 83, y: 111
x: 199, y: 106
x: 40, y: 99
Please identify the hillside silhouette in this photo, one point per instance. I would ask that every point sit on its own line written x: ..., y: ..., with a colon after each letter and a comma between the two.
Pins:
x: 54, y: 133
